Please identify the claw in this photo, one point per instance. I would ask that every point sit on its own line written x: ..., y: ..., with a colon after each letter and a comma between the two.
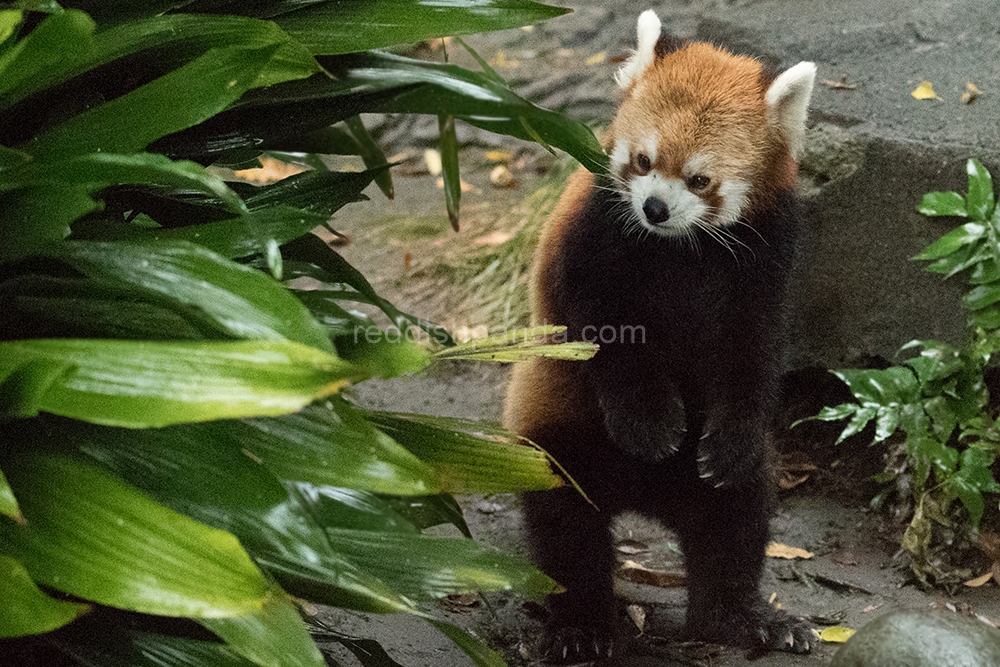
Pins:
x: 720, y: 485
x: 705, y: 435
x: 705, y: 475
x: 565, y: 651
x: 789, y: 639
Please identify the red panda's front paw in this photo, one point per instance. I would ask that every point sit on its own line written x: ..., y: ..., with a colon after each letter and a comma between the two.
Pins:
x: 728, y: 458
x: 649, y: 438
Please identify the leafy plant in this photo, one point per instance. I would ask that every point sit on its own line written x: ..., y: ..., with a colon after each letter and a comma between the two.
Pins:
x: 938, y: 399
x: 173, y: 443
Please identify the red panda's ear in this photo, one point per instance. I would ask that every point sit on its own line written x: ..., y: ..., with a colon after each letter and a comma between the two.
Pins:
x: 788, y: 103
x: 649, y: 28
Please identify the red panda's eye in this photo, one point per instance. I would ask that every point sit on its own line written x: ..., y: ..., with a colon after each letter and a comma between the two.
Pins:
x: 698, y: 182
x: 642, y: 161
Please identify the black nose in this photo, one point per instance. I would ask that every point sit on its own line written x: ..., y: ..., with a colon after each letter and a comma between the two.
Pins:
x: 656, y: 210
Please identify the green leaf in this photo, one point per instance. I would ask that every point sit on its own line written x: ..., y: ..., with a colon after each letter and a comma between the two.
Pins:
x: 874, y: 387
x: 371, y: 153
x: 381, y: 83
x: 140, y: 384
x: 165, y: 651
x: 980, y: 195
x: 332, y: 507
x: 449, y: 167
x: 857, y: 424
x: 90, y: 535
x: 519, y: 345
x: 957, y: 238
x: 129, y: 123
x: 943, y: 203
x: 332, y: 268
x: 36, y: 216
x: 274, y: 636
x: 332, y: 445
x: 61, y: 37
x: 9, y: 20
x: 982, y: 296
x: 242, y: 301
x: 8, y: 503
x: 481, y: 654
x: 382, y: 353
x: 427, y: 511
x: 26, y: 610
x: 346, y: 27
x: 469, y: 457
x: 436, y: 567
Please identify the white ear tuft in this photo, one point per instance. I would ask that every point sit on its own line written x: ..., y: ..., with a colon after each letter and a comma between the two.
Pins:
x: 648, y: 34
x: 788, y: 103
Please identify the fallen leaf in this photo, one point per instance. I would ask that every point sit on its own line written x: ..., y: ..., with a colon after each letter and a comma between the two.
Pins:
x: 498, y: 156
x: 465, y: 187
x: 871, y: 607
x: 778, y: 550
x: 493, y: 239
x: 501, y: 60
x: 638, y: 616
x: 597, y: 58
x: 632, y: 547
x: 638, y: 573
x: 836, y: 634
x: 271, y: 170
x: 973, y: 93
x: 840, y: 85
x: 925, y: 91
x: 774, y: 596
x: 500, y: 177
x: 979, y: 581
x: 432, y: 159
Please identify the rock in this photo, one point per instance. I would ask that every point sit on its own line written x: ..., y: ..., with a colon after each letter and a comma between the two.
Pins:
x: 921, y: 638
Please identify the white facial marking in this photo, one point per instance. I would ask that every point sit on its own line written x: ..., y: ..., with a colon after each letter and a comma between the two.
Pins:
x: 648, y: 30
x: 696, y: 164
x: 685, y: 207
x: 620, y: 155
x: 734, y: 198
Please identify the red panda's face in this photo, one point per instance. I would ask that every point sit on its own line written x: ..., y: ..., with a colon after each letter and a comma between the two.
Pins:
x: 702, y: 135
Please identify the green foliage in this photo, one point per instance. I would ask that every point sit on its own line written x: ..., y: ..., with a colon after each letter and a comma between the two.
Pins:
x: 938, y: 398
x: 172, y: 436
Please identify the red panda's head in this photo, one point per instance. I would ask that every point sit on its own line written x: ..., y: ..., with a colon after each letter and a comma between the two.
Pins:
x: 702, y: 137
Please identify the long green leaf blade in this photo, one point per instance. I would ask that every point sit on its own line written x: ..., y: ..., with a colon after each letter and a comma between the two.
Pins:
x: 26, y: 610
x: 140, y: 384
x: 521, y: 344
x: 436, y: 567
x: 91, y: 535
x: 8, y: 503
x: 980, y: 195
x: 470, y: 457
x: 273, y: 636
x: 243, y: 302
x: 64, y: 36
x: 480, y: 653
x: 129, y: 123
x: 347, y: 27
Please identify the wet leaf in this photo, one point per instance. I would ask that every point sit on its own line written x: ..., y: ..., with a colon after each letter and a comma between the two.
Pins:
x: 980, y: 195
x: 520, y: 345
x: 91, y: 535
x: 139, y: 384
x: 26, y: 610
x: 273, y: 636
x: 778, y: 550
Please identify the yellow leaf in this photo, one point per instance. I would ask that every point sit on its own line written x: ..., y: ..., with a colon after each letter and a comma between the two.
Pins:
x: 432, y: 159
x: 498, y: 156
x: 777, y: 550
x: 979, y: 581
x: 836, y: 634
x: 597, y: 58
x: 925, y: 91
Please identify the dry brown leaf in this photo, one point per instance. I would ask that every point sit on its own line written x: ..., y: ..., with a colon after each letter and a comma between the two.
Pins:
x: 925, y: 91
x: 638, y: 616
x: 271, y: 171
x: 979, y: 581
x: 972, y: 93
x: 638, y: 573
x: 778, y: 550
x: 840, y: 85
x: 597, y: 58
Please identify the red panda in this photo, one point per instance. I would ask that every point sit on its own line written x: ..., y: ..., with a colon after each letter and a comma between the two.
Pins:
x: 675, y: 262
